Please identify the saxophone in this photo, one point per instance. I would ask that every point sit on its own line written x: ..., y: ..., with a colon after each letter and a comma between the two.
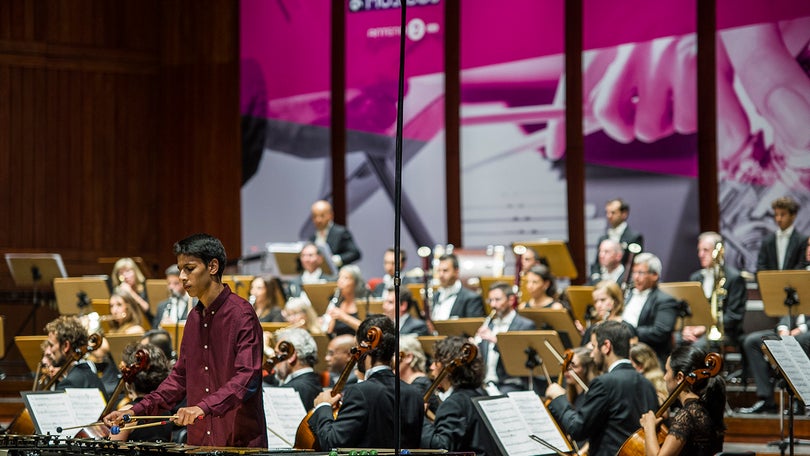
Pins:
x: 718, y: 293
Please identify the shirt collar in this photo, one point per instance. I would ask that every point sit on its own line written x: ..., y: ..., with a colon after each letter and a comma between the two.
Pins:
x: 617, y: 363
x: 376, y: 369
x: 786, y: 232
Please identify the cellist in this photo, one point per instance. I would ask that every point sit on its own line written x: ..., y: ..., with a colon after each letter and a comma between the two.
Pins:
x: 697, y: 428
x: 615, y: 400
x: 365, y: 418
x: 65, y: 334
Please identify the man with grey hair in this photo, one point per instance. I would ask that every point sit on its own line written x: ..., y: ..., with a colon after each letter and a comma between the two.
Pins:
x: 733, y: 305
x: 651, y: 311
x: 297, y: 371
x: 609, y: 262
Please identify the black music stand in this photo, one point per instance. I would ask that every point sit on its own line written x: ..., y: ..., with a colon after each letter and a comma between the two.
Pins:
x: 793, y: 366
x: 32, y: 270
x: 523, y: 351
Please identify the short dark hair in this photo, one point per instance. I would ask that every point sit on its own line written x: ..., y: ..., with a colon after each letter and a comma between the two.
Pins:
x: 466, y: 375
x: 507, y: 289
x: 787, y: 203
x: 451, y: 257
x: 388, y: 343
x: 402, y: 255
x: 157, y: 369
x: 617, y: 333
x: 162, y: 339
x: 623, y: 206
x: 205, y: 247
x: 404, y: 296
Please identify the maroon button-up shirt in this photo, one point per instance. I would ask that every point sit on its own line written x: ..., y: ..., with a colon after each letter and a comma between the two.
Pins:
x: 220, y: 370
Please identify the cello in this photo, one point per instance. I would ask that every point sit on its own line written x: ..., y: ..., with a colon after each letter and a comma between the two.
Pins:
x: 304, y: 436
x: 128, y: 374
x: 282, y: 353
x: 635, y: 445
x: 467, y: 355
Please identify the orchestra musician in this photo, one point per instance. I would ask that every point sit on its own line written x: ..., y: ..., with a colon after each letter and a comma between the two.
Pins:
x: 364, y: 418
x: 452, y: 299
x: 175, y: 308
x: 651, y: 311
x: 310, y: 269
x: 733, y: 305
x: 338, y: 354
x: 697, y: 428
x: 413, y: 276
x: 66, y: 334
x: 645, y: 361
x: 458, y: 426
x: 408, y: 323
x: 128, y: 278
x: 412, y: 364
x: 337, y: 237
x: 615, y: 400
x: 609, y: 264
x: 608, y: 304
x: 616, y: 213
x: 297, y: 371
x: 219, y: 370
x: 501, y: 298
x: 341, y: 315
x: 542, y: 289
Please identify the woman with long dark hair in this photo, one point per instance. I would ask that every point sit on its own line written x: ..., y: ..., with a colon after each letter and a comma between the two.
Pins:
x: 697, y: 429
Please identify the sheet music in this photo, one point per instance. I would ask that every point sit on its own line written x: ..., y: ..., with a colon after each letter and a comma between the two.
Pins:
x: 538, y: 418
x: 283, y: 410
x: 50, y: 410
x: 87, y: 404
x: 793, y: 361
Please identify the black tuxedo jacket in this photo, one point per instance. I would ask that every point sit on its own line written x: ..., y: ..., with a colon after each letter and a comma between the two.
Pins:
x: 610, y: 411
x: 414, y: 325
x: 628, y: 237
x: 458, y: 426
x: 308, y: 387
x: 794, y: 254
x: 518, y: 324
x: 341, y: 243
x: 163, y: 307
x: 81, y: 376
x: 365, y: 419
x: 469, y: 304
x: 657, y: 321
x: 734, y: 305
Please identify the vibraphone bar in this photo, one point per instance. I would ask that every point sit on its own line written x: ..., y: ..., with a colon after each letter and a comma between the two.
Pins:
x: 48, y: 445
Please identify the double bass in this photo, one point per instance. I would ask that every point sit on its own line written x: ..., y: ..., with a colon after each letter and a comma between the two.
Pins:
x: 635, y: 444
x: 304, y: 437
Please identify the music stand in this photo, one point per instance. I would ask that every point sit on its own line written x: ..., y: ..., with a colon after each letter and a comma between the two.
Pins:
x: 780, y: 289
x: 465, y: 327
x: 157, y: 290
x: 556, y: 253
x: 520, y: 349
x: 557, y: 319
x: 581, y: 298
x: 119, y: 341
x: 239, y: 284
x: 322, y: 341
x: 319, y: 295
x: 74, y: 294
x: 176, y: 329
x: 692, y: 294
x: 31, y: 349
x: 281, y: 258
x: 374, y: 307
x: 32, y: 270
x: 792, y: 365
x: 417, y: 291
x: 428, y: 342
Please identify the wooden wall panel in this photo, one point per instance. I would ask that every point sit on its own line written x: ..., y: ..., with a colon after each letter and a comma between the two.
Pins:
x: 119, y: 128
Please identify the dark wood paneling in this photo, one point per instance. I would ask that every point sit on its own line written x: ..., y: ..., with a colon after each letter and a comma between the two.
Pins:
x: 119, y: 128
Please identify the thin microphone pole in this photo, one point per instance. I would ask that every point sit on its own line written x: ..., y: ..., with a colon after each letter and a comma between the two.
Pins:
x: 398, y: 212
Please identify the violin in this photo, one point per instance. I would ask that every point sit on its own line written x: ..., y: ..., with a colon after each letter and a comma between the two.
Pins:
x: 128, y: 374
x: 468, y: 353
x: 283, y: 352
x: 304, y: 437
x: 635, y: 445
x: 22, y: 424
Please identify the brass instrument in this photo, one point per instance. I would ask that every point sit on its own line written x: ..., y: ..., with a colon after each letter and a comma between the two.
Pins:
x: 716, y: 333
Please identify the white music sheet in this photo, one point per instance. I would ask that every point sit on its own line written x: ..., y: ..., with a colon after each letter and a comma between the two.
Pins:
x: 53, y: 409
x: 793, y: 361
x: 538, y: 417
x: 283, y: 411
